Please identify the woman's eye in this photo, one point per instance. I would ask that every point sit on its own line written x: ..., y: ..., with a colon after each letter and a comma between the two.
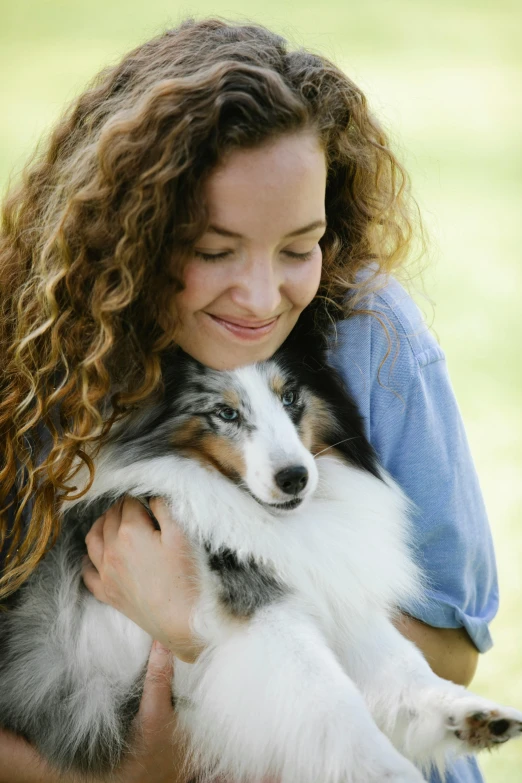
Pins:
x: 288, y: 398
x: 219, y: 256
x: 210, y: 256
x: 300, y: 256
x: 228, y: 414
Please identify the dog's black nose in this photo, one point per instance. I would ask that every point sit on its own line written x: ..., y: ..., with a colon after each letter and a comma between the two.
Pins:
x: 292, y: 480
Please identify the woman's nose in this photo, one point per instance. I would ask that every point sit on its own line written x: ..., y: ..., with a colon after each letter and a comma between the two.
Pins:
x: 257, y: 287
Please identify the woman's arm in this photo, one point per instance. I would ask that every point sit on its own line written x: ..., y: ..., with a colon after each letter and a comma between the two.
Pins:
x: 159, y: 757
x: 20, y: 763
x: 449, y: 651
x: 414, y: 423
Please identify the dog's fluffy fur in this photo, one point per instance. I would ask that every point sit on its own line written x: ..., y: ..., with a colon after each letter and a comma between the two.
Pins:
x: 302, y: 547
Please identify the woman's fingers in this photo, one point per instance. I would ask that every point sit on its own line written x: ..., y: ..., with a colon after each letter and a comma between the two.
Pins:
x: 105, y: 533
x: 161, y: 511
x: 133, y: 523
x: 94, y: 542
x: 171, y: 533
x: 102, y: 535
x: 156, y: 701
x: 92, y: 580
x: 111, y: 522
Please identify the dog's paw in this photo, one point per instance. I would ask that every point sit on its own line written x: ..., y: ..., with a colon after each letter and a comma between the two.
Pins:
x: 482, y: 725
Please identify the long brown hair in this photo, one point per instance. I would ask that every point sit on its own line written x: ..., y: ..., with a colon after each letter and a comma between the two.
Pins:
x: 89, y: 235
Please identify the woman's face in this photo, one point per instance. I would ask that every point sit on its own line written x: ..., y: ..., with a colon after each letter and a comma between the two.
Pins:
x: 259, y: 264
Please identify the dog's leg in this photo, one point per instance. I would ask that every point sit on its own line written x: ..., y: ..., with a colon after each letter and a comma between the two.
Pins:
x: 427, y: 718
x: 271, y: 700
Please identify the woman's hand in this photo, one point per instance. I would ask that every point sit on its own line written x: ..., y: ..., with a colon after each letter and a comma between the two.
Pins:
x: 159, y: 754
x: 146, y: 574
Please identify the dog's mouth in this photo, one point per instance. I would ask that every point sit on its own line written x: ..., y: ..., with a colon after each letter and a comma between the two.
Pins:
x: 288, y: 505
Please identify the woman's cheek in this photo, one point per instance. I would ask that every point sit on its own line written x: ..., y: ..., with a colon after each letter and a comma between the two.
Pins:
x: 203, y: 283
x: 307, y: 280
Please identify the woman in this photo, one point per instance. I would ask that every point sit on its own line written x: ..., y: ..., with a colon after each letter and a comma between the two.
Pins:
x: 203, y: 192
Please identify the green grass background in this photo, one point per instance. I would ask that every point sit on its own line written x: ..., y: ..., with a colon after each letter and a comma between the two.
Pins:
x: 445, y: 78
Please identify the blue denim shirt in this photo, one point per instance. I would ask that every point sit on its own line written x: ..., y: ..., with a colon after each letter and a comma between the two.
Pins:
x: 413, y: 421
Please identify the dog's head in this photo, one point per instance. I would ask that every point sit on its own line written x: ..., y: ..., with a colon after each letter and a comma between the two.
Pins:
x: 258, y: 425
x: 261, y: 425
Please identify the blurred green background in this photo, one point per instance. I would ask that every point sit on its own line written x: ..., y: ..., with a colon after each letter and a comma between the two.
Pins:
x: 444, y: 76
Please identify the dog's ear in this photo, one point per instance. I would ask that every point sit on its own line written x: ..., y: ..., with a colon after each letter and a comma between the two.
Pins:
x: 176, y: 368
x: 308, y: 340
x: 305, y: 355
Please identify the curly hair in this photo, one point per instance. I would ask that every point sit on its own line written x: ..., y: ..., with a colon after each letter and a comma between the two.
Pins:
x: 89, y: 234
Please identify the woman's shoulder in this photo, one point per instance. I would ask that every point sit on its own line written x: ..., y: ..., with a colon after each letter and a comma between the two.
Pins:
x: 389, y: 319
x: 380, y: 350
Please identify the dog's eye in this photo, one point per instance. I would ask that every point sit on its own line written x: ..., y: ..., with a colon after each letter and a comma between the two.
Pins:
x: 228, y: 414
x: 288, y: 398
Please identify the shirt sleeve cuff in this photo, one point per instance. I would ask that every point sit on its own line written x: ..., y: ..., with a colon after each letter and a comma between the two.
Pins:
x: 440, y: 613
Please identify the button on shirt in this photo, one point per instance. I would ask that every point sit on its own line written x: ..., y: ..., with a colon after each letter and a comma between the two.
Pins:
x: 412, y: 420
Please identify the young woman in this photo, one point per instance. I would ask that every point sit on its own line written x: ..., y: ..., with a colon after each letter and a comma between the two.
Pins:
x: 203, y: 192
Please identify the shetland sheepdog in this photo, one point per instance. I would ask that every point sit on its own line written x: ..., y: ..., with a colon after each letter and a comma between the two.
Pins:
x: 303, y: 548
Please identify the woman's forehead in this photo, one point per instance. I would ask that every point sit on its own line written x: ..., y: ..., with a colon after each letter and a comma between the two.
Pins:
x: 284, y: 182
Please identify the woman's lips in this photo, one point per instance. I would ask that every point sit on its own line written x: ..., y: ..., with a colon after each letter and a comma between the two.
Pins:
x: 243, y: 329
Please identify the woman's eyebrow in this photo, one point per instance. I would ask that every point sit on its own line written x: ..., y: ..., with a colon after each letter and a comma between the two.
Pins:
x: 304, y: 230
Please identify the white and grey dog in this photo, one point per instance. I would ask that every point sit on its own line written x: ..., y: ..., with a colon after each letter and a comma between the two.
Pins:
x: 302, y: 546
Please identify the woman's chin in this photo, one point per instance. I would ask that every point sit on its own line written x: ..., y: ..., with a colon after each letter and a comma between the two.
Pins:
x: 231, y: 357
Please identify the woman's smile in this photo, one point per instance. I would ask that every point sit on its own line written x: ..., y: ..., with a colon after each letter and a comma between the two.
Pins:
x: 244, y: 330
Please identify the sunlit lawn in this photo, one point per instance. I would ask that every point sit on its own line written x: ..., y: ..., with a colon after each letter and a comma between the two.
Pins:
x: 446, y: 78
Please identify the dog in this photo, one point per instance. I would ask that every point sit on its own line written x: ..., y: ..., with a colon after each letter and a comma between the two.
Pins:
x: 303, y: 547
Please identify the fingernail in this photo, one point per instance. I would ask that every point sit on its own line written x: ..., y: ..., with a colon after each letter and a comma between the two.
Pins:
x: 160, y: 648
